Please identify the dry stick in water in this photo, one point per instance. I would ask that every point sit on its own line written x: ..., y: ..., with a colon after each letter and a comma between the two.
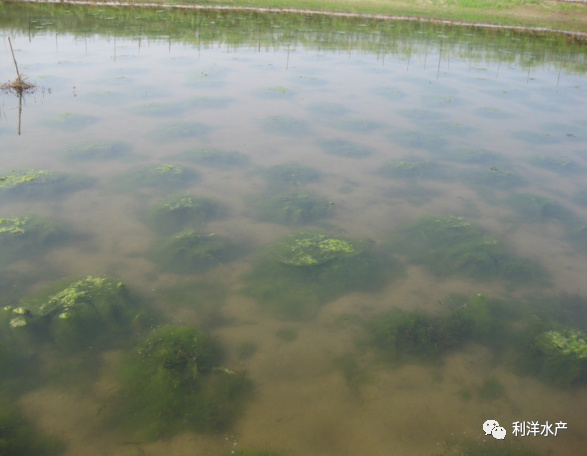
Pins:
x: 19, y: 85
x: 14, y: 59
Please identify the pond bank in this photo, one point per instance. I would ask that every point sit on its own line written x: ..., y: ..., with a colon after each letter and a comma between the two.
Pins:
x: 567, y: 18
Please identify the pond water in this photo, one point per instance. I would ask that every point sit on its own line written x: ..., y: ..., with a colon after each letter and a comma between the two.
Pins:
x: 383, y: 224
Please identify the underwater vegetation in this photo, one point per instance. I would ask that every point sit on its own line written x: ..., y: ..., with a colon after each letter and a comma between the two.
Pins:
x: 300, y: 272
x: 181, y: 211
x: 581, y: 197
x: 491, y: 390
x: 404, y: 335
x: 247, y: 452
x: 484, y: 447
x: 286, y: 126
x: 25, y: 236
x: 180, y: 130
x: 473, y: 156
x: 419, y: 140
x: 289, y: 208
x: 328, y: 109
x: 535, y: 208
x: 70, y: 121
x: 358, y: 125
x: 191, y: 251
x: 98, y: 150
x: 410, y: 169
x: 343, y: 148
x: 18, y: 437
x: 174, y: 381
x: 555, y: 353
x: 75, y: 314
x: 447, y: 245
x: 290, y: 176
x: 493, y: 177
x: 556, y: 163
x: 39, y: 184
x: 213, y: 158
x: 164, y: 176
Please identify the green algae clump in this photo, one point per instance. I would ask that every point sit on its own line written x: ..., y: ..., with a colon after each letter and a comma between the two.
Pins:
x: 562, y: 356
x: 309, y: 249
x: 85, y: 312
x: 449, y: 245
x: 290, y: 208
x: 181, y: 211
x: 174, y: 381
x: 555, y: 353
x: 299, y: 273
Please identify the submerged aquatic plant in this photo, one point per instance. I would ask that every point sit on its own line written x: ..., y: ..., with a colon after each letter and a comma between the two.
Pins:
x: 19, y: 437
x: 493, y: 177
x: 290, y: 208
x: 192, y: 251
x: 286, y: 126
x: 557, y: 355
x: 214, y: 158
x: 173, y: 382
x: 38, y: 184
x: 536, y: 208
x: 163, y: 176
x: 98, y: 150
x: 181, y: 130
x: 343, y: 148
x: 471, y: 156
x: 309, y: 249
x: 447, y: 245
x: 556, y: 163
x: 290, y: 175
x: 180, y: 211
x: 77, y: 314
x: 404, y: 336
x: 24, y: 236
x: 304, y: 270
x: 410, y: 169
x: 70, y: 121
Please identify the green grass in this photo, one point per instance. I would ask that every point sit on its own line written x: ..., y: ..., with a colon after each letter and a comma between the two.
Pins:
x: 521, y: 13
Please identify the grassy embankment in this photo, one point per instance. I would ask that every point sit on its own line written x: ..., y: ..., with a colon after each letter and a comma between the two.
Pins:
x: 552, y: 15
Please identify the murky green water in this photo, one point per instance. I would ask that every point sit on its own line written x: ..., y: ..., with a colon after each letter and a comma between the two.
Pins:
x: 378, y: 229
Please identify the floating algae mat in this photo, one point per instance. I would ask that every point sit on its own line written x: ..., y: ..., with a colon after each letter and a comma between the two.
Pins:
x: 298, y: 274
x: 175, y: 381
x: 447, y: 245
